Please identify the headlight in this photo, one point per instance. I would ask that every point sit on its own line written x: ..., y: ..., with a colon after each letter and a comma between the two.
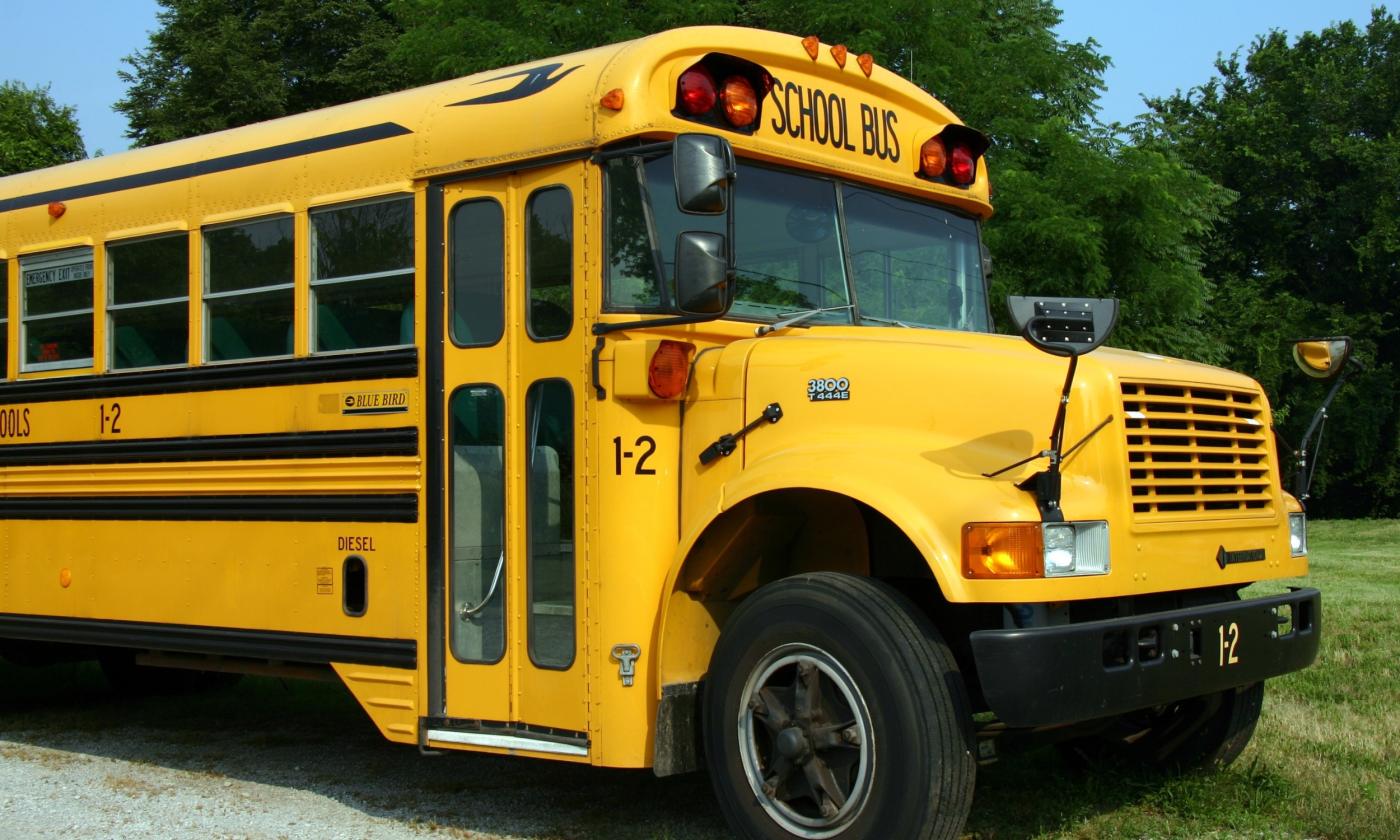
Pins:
x: 1075, y: 548
x: 1297, y: 534
x: 1034, y: 549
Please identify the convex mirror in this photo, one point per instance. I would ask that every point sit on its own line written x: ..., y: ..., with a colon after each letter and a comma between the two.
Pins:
x: 1064, y: 326
x: 704, y: 173
x: 1322, y: 358
x: 702, y: 274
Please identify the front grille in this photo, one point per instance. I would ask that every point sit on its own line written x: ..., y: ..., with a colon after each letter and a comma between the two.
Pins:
x: 1196, y: 452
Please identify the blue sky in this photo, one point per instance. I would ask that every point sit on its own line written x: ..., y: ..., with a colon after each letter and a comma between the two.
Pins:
x: 1157, y: 47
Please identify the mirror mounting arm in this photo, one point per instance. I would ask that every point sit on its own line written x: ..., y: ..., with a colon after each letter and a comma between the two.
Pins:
x: 1302, y: 479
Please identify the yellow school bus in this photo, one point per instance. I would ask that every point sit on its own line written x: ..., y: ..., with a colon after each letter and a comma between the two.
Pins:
x: 642, y: 408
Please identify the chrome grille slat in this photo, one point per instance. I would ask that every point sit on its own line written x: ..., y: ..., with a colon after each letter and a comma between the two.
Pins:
x: 1196, y: 452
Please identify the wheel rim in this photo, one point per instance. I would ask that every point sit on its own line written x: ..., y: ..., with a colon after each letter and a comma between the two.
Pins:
x: 806, y: 741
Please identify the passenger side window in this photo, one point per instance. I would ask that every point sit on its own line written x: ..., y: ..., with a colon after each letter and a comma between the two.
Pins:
x: 477, y: 265
x: 248, y: 290
x: 4, y: 319
x: 362, y: 276
x: 148, y: 302
x: 56, y: 310
x: 549, y: 263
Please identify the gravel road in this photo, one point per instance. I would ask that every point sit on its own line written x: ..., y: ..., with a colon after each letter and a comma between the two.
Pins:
x: 273, y: 759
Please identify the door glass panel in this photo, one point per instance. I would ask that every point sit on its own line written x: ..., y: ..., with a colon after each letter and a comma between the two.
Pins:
x: 477, y: 265
x: 549, y: 263
x: 477, y: 572
x: 549, y: 414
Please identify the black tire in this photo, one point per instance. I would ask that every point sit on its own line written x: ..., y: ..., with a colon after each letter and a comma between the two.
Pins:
x: 1200, y: 733
x: 880, y: 670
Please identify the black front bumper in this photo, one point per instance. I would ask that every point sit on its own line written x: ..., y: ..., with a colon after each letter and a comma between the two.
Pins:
x: 1066, y: 673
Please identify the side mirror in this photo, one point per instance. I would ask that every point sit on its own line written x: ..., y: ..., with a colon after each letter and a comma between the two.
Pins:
x: 703, y: 285
x: 1322, y: 358
x: 704, y: 171
x: 1064, y: 326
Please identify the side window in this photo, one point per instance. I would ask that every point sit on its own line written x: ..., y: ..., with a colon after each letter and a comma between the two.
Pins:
x: 248, y: 305
x: 148, y: 302
x: 478, y: 526
x: 4, y: 319
x: 362, y: 276
x: 549, y: 263
x: 477, y: 284
x: 549, y: 475
x: 56, y: 310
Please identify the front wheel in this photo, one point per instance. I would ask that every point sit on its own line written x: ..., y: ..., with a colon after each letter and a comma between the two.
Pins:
x: 833, y: 708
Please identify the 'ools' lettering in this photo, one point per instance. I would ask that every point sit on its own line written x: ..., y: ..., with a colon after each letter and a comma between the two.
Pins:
x: 14, y: 422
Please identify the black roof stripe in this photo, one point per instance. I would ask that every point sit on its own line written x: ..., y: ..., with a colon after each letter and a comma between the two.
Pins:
x: 282, y: 151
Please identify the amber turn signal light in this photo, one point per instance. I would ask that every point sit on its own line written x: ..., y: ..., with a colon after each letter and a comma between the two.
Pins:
x: 669, y: 369
x: 1003, y: 550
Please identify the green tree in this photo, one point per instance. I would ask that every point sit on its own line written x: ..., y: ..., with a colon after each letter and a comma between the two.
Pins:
x: 1308, y: 135
x: 35, y: 131
x: 216, y: 64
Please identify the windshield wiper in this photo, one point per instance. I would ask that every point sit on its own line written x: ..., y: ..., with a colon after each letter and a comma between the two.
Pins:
x: 890, y: 321
x: 797, y: 318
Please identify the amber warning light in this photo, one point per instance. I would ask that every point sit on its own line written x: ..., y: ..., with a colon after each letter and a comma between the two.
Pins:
x: 723, y: 91
x: 951, y: 156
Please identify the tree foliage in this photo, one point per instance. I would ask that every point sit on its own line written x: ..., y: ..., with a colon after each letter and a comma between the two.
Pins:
x: 1308, y: 135
x: 35, y: 131
x: 216, y: 64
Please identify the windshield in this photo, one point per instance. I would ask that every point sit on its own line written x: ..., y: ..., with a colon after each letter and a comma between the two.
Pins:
x: 801, y: 243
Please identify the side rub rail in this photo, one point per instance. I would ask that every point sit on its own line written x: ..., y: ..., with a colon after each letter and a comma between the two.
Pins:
x: 333, y: 444
x: 387, y: 364
x: 382, y: 507
x: 308, y: 648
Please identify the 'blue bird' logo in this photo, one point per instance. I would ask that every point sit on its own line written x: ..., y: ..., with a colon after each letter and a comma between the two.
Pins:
x: 536, y: 79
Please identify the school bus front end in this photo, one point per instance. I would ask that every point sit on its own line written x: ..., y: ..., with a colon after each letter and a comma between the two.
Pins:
x: 885, y: 528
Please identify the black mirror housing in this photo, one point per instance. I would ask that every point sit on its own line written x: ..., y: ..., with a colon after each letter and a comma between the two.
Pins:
x: 704, y: 172
x: 1064, y: 326
x: 703, y: 280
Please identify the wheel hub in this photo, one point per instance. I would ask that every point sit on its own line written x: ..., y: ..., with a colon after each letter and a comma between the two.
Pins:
x: 806, y: 741
x: 793, y: 745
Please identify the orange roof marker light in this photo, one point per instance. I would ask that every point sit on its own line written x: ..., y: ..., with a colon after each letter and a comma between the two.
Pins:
x: 612, y: 100
x: 57, y: 209
x: 839, y: 53
x: 867, y: 63
x: 812, y: 44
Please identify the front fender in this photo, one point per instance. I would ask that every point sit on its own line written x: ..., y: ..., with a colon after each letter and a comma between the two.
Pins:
x: 925, y: 497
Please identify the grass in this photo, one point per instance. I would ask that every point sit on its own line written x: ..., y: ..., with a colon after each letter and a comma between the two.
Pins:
x: 1324, y: 762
